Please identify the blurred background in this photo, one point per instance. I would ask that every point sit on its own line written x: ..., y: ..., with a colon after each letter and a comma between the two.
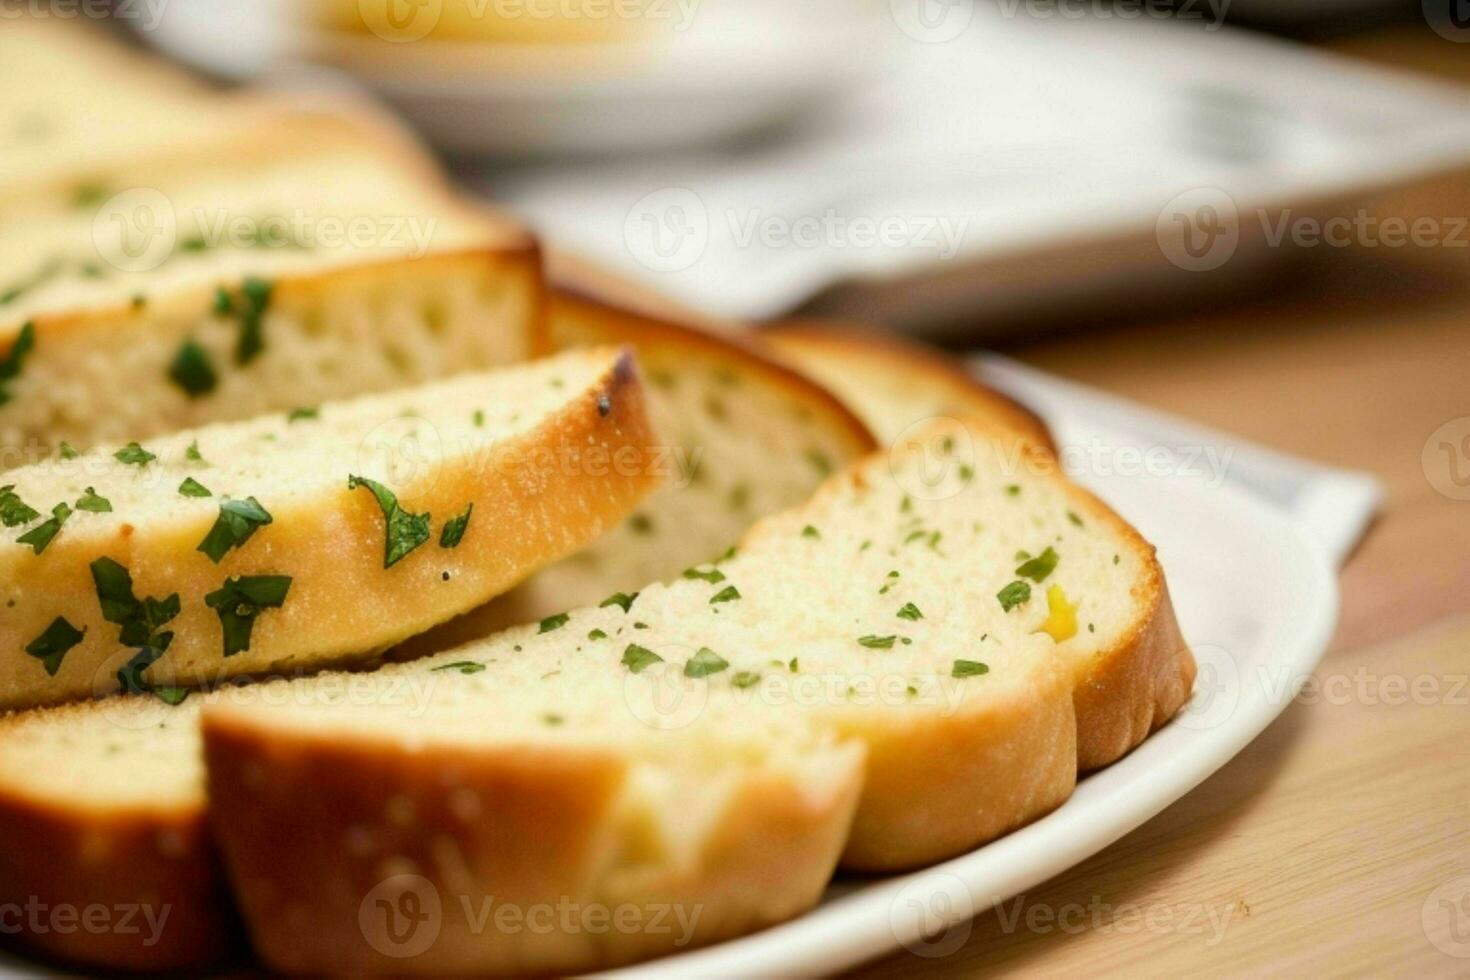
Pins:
x: 965, y: 171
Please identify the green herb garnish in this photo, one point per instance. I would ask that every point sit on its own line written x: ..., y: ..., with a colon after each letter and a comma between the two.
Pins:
x: 404, y: 531
x: 40, y: 536
x: 1038, y: 568
x: 68, y: 451
x: 14, y: 359
x: 745, y: 678
x: 1014, y: 594
x: 597, y: 635
x: 910, y: 612
x: 728, y: 594
x: 453, y: 531
x: 240, y: 600
x: 463, y: 666
x: 238, y: 520
x: 810, y: 532
x: 622, y: 600
x: 134, y: 455
x: 637, y: 658
x: 704, y: 663
x: 249, y: 308
x: 193, y: 488
x: 302, y: 414
x: 877, y: 642
x: 556, y: 622
x: 969, y: 668
x: 192, y: 370
x: 713, y: 576
x: 193, y: 455
x: 53, y: 643
x: 172, y: 696
x: 14, y: 511
x: 93, y: 503
x: 1072, y: 516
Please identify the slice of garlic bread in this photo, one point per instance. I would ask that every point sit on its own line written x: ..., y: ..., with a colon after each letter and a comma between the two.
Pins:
x: 894, y: 383
x: 934, y: 605
x: 310, y: 260
x: 310, y: 538
x: 76, y: 101
x: 746, y: 436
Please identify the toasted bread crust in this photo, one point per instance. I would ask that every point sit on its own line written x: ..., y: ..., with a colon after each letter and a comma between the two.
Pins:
x: 745, y: 350
x: 160, y: 862
x: 876, y: 351
x: 530, y: 827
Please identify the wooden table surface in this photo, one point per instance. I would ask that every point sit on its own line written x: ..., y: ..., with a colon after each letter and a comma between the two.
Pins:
x: 1339, y: 841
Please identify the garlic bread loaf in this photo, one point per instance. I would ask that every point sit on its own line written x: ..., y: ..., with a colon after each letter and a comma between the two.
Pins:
x: 745, y: 436
x: 309, y: 260
x: 298, y: 540
x: 934, y: 606
x: 894, y: 383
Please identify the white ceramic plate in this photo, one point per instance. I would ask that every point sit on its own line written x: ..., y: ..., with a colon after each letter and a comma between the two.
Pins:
x: 1257, y: 598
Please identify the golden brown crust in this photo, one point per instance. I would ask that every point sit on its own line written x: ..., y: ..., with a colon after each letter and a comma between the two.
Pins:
x: 535, y: 828
x: 60, y: 853
x: 155, y: 874
x: 888, y: 353
x: 940, y: 784
x: 574, y: 314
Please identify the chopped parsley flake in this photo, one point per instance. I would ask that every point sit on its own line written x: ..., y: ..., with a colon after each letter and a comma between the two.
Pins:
x: 810, y: 532
x: 969, y: 668
x: 704, y: 663
x: 13, y: 511
x: 479, y: 418
x: 404, y: 531
x: 192, y: 454
x: 1014, y: 594
x: 68, y: 451
x: 551, y: 623
x: 640, y: 524
x: 1013, y: 490
x: 745, y: 678
x: 139, y: 619
x: 820, y: 461
x: 40, y: 536
x: 303, y: 414
x: 240, y: 600
x: 637, y: 658
x: 193, y: 488
x: 453, y: 531
x: 713, y: 576
x: 172, y: 696
x: 1072, y: 516
x: 238, y: 520
x: 463, y: 667
x: 910, y: 612
x: 192, y: 370
x: 93, y: 503
x: 1038, y: 568
x: 877, y: 642
x: 134, y: 455
x: 728, y: 594
x: 249, y: 308
x: 622, y: 600
x: 597, y: 635
x: 14, y: 359
x: 53, y: 643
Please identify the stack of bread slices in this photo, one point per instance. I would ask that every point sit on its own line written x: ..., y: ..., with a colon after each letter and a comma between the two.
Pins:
x: 352, y: 565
